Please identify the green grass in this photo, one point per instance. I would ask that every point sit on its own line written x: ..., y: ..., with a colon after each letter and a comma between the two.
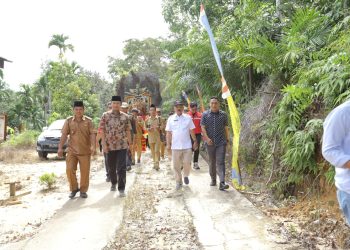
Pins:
x: 25, y: 139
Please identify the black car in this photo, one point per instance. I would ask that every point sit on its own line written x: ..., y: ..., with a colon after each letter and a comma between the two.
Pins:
x: 49, y: 139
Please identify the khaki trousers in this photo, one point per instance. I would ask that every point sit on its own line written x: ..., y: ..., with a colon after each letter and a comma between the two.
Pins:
x: 155, y: 151
x: 162, y: 149
x: 181, y: 159
x: 137, y: 148
x: 72, y: 161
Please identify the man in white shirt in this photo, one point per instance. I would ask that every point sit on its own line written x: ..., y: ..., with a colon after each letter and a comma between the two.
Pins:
x: 336, y: 150
x: 180, y: 129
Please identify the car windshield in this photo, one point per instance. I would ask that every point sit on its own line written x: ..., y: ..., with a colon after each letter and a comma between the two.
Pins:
x: 56, y: 125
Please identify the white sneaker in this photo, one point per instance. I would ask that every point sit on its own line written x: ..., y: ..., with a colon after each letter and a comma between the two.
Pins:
x: 195, y: 166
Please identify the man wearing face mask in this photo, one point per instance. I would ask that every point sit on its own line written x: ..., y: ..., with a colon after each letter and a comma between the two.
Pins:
x: 180, y: 129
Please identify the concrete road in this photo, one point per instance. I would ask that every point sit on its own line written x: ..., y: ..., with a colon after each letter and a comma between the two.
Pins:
x: 82, y: 223
x: 225, y: 219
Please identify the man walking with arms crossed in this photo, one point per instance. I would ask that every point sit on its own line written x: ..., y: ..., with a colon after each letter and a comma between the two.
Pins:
x: 81, y: 145
x: 180, y: 129
x: 216, y: 135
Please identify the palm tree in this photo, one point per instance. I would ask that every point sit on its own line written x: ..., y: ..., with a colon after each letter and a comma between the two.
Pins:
x: 59, y: 40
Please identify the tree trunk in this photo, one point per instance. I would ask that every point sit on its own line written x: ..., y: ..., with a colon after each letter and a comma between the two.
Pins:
x: 250, y: 80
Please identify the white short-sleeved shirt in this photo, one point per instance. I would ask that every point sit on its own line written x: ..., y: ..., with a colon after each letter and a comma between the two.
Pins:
x: 180, y: 127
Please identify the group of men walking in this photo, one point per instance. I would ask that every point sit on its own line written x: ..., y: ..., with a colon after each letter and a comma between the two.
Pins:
x: 121, y: 136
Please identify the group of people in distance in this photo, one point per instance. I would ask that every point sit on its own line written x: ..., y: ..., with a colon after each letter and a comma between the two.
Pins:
x: 121, y: 134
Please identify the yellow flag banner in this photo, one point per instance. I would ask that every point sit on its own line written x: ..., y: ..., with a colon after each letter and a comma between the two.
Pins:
x: 236, y: 128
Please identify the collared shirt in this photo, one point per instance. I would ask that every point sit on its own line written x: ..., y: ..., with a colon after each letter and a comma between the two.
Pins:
x: 336, y: 144
x: 79, y: 142
x: 155, y: 123
x: 115, y: 125
x: 196, y: 118
x: 215, y: 123
x: 180, y: 127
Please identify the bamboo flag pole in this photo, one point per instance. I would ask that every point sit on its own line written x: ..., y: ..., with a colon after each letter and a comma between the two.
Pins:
x: 200, y: 98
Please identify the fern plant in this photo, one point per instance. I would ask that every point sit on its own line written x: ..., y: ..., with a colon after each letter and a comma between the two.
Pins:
x: 300, y: 149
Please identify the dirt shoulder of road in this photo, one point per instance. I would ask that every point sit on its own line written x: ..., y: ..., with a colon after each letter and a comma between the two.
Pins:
x: 313, y: 219
x: 21, y: 221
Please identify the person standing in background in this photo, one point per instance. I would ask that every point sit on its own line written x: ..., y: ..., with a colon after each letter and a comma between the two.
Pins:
x: 153, y: 125
x: 162, y: 133
x: 196, y: 118
x: 140, y: 127
x: 129, y: 160
x: 99, y: 141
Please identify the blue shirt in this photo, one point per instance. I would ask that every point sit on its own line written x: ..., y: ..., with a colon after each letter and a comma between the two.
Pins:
x: 336, y: 144
x: 215, y: 123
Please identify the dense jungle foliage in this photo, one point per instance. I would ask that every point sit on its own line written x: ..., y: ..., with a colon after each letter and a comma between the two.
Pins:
x: 297, y: 50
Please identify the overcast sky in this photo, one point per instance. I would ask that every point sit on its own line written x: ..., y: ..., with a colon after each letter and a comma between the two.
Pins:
x: 96, y: 28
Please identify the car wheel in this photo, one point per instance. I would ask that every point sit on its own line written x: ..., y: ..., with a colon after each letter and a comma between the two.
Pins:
x: 42, y: 155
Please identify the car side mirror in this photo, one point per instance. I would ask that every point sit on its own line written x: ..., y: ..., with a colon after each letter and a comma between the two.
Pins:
x: 44, y: 128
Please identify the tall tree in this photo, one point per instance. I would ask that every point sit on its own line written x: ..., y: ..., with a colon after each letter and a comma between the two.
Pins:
x: 150, y: 55
x: 59, y: 40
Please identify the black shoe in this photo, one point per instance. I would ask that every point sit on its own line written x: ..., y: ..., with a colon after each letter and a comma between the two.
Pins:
x: 113, y: 188
x: 128, y: 168
x: 108, y: 179
x: 132, y: 163
x: 223, y: 186
x: 138, y: 161
x: 73, y: 193
x: 83, y: 195
x: 213, y: 183
x: 186, y: 180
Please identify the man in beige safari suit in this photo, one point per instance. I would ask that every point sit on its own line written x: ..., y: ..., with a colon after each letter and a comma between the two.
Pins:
x: 81, y: 145
x: 153, y: 126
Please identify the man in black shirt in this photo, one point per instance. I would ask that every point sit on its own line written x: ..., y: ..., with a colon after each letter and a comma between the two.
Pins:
x: 215, y: 131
